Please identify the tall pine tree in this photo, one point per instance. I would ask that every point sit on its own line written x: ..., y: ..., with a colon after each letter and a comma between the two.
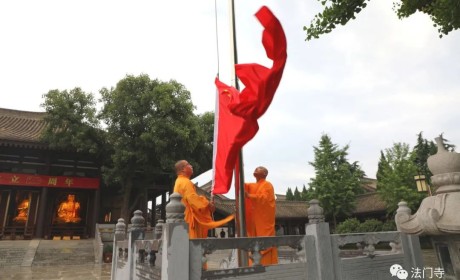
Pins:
x: 289, y: 194
x: 337, y: 181
x: 297, y: 195
x: 422, y: 150
x: 395, y: 178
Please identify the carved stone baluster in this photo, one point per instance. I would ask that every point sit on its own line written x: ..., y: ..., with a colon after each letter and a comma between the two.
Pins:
x: 315, y: 212
x: 120, y: 230
x: 118, y: 258
x: 256, y: 254
x: 206, y: 249
x: 370, y: 249
x: 371, y: 240
x: 136, y: 233
x: 175, y: 242
x: 175, y: 209
x: 301, y: 253
x: 158, y: 229
x: 137, y: 221
x: 396, y: 247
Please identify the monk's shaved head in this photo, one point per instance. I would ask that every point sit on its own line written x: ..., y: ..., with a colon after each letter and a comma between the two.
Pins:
x: 179, y: 166
x: 260, y: 173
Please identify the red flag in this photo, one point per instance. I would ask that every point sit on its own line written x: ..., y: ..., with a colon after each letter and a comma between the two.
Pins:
x: 238, y: 112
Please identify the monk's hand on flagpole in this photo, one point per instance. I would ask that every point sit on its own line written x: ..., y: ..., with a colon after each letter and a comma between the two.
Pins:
x: 246, y: 194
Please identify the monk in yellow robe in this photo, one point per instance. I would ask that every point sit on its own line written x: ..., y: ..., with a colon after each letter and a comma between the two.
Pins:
x: 260, y: 212
x: 198, y: 210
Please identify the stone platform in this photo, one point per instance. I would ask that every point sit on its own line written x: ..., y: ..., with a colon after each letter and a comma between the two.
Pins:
x: 50, y: 260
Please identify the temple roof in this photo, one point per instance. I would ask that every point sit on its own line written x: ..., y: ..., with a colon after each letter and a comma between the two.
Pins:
x: 365, y: 203
x: 21, y: 128
x: 369, y: 203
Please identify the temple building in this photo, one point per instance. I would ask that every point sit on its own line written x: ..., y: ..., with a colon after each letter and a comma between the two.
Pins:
x: 44, y: 193
x: 59, y: 194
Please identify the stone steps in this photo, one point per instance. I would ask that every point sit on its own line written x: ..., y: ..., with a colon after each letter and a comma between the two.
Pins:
x: 46, y: 252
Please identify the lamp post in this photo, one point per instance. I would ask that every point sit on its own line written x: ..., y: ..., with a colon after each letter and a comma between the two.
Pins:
x: 422, y: 186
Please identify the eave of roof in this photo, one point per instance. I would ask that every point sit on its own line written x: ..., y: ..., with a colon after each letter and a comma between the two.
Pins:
x: 21, y: 128
x: 369, y: 203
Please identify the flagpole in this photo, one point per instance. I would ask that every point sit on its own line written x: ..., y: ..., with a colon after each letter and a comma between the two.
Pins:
x: 239, y: 171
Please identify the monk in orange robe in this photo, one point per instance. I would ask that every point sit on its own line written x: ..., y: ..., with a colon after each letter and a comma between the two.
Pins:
x: 197, y: 208
x: 260, y: 212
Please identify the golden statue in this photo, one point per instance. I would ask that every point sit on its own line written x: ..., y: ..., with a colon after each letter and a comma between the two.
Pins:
x: 23, y: 209
x: 68, y: 210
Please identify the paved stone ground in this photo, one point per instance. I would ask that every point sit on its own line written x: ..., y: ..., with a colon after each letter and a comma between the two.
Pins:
x: 56, y: 272
x: 12, y: 252
x: 64, y: 252
x: 50, y: 260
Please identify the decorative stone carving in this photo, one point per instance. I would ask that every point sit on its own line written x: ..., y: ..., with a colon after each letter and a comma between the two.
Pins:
x: 396, y: 247
x: 315, y: 212
x: 256, y: 256
x: 159, y: 229
x: 175, y: 209
x: 137, y: 221
x: 437, y: 214
x: 120, y: 229
x: 447, y: 182
x: 443, y: 161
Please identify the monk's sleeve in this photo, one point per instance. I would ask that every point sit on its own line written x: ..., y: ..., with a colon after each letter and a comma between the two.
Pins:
x: 197, y: 202
x: 266, y: 194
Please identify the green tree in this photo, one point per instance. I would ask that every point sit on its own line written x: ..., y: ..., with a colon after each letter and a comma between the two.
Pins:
x: 395, y: 181
x: 350, y: 225
x: 304, y: 194
x: 336, y: 182
x: 307, y: 194
x: 422, y: 150
x: 445, y: 14
x: 448, y: 146
x: 289, y: 194
x: 149, y: 125
x: 72, y: 122
x: 370, y: 225
x: 297, y: 195
x: 389, y: 225
x: 205, y: 139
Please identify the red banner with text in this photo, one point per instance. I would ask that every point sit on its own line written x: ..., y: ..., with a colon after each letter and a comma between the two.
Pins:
x: 15, y: 179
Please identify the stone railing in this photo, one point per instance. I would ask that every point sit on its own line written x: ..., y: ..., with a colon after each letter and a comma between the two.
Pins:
x: 134, y: 256
x: 98, y: 246
x: 201, y: 249
x: 169, y: 254
x: 104, y: 234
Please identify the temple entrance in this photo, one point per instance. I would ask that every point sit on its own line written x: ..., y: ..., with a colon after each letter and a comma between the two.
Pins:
x: 18, y: 213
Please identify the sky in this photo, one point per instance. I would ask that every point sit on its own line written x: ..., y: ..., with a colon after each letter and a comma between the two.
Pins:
x: 374, y: 82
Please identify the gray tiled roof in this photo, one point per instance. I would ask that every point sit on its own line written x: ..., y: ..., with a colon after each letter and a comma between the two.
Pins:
x: 284, y: 209
x: 368, y: 203
x: 365, y: 203
x: 21, y: 128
